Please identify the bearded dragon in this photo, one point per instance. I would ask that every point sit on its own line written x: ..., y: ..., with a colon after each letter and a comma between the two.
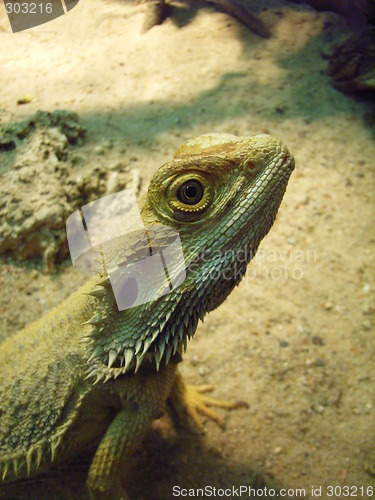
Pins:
x: 88, y: 375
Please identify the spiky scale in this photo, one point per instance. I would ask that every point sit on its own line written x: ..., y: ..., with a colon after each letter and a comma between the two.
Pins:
x: 161, y: 347
x: 39, y: 452
x: 29, y: 459
x: 180, y: 331
x: 96, y: 332
x: 128, y: 358
x: 96, y: 353
x: 92, y: 334
x: 139, y: 361
x: 166, y: 337
x: 112, y: 356
x: 95, y: 320
x: 186, y: 319
x: 98, y: 293
x: 175, y: 342
x: 155, y: 335
x: 99, y: 377
x: 55, y: 443
x: 155, y: 322
x: 157, y: 360
x: 6, y: 468
x: 162, y: 324
x: 168, y: 314
x: 146, y: 346
x: 16, y: 466
x: 200, y: 313
x: 184, y: 341
x: 138, y: 346
x: 105, y: 282
x: 168, y: 353
x: 86, y: 339
x: 192, y: 326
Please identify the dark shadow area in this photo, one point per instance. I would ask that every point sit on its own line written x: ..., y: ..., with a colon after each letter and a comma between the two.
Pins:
x: 236, y: 95
x: 183, y: 12
x: 191, y: 461
x: 142, y: 123
x: 181, y: 15
x: 184, y: 460
x: 321, y: 100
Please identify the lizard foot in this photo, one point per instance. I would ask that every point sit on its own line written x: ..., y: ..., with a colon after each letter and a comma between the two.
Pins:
x: 192, y: 401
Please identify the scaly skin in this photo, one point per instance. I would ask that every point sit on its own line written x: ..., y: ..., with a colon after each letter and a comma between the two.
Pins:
x: 87, y: 374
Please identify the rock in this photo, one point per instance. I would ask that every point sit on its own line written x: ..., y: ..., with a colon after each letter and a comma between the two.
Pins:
x: 44, y: 185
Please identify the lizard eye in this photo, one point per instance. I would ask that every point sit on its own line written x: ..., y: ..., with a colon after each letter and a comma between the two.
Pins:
x: 190, y: 192
x: 187, y: 196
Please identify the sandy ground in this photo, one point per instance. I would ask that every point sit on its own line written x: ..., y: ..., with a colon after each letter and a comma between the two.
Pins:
x: 295, y: 340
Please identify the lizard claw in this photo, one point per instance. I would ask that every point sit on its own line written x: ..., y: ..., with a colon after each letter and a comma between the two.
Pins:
x: 191, y: 400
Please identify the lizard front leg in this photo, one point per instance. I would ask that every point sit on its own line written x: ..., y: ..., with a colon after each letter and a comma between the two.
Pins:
x: 191, y: 400
x: 122, y: 438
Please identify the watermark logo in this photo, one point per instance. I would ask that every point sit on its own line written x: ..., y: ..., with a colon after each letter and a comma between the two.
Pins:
x: 281, y: 265
x: 108, y: 236
x: 25, y: 14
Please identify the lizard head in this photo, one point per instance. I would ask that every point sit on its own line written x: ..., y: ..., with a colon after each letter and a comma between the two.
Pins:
x: 220, y: 193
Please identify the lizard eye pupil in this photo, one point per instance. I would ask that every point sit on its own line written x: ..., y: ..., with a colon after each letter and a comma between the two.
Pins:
x: 190, y: 192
